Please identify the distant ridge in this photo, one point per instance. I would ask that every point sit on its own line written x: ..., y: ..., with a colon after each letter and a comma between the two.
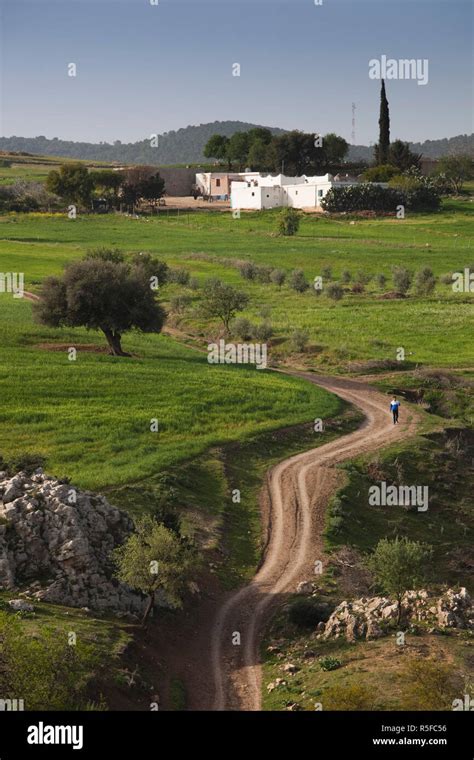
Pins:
x: 185, y: 146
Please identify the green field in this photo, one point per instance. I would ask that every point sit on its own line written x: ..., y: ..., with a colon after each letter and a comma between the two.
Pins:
x: 432, y: 330
x: 91, y: 417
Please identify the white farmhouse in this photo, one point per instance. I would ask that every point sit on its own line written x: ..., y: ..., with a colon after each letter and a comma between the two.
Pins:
x: 259, y: 192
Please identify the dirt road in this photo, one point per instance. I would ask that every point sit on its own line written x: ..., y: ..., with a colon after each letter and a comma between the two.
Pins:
x: 298, y: 492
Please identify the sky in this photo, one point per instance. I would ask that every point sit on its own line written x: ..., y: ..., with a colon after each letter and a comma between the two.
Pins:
x: 144, y: 68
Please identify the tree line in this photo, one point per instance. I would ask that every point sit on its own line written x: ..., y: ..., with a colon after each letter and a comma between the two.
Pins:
x: 292, y: 153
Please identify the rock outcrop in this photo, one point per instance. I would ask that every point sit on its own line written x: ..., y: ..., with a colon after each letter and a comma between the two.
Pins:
x: 367, y: 618
x: 56, y: 543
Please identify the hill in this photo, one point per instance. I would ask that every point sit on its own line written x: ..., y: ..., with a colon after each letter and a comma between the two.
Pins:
x: 176, y: 147
x: 186, y: 145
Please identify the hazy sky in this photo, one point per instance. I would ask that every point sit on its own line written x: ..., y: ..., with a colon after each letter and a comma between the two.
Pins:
x: 144, y: 69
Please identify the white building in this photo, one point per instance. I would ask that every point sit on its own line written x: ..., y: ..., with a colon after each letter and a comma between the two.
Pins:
x: 259, y: 192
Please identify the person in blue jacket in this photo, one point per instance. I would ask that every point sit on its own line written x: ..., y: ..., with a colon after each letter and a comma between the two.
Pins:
x: 394, y: 407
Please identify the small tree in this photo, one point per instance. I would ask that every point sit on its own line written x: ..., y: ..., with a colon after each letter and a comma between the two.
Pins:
x: 223, y: 301
x: 402, y: 279
x: 288, y: 221
x: 101, y: 292
x: 242, y: 328
x: 154, y: 559
x: 299, y: 340
x: 298, y: 281
x: 278, y: 277
x: 72, y: 182
x: 399, y: 566
x: 456, y: 169
x: 425, y: 281
x: 335, y: 291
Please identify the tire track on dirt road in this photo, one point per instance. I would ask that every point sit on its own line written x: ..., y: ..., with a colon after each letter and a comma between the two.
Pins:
x: 298, y: 492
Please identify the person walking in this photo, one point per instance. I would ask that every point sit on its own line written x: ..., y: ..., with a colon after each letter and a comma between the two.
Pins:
x: 394, y: 407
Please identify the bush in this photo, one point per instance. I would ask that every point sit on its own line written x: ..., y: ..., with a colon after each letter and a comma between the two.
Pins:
x: 362, y: 197
x: 354, y: 697
x: 363, y: 277
x: 329, y: 663
x: 358, y: 288
x: 298, y: 281
x: 446, y: 279
x: 307, y: 613
x: 194, y: 283
x: 179, y: 276
x: 425, y: 281
x: 299, y: 340
x: 430, y: 685
x: 278, y: 277
x: 26, y: 463
x: 335, y: 291
x: 380, y: 173
x: 247, y: 270
x: 263, y: 274
x: 381, y: 280
x: 288, y: 221
x: 423, y: 198
x: 263, y: 332
x: 346, y: 276
x: 242, y: 328
x: 402, y: 279
x: 326, y: 273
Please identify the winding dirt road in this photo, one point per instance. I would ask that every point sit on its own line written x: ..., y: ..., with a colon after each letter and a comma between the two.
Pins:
x: 298, y: 490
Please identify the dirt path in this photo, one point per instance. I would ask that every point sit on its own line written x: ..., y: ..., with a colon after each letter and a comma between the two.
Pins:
x: 298, y: 492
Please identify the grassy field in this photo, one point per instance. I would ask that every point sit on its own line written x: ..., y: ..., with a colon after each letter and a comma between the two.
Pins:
x: 91, y: 417
x: 432, y: 330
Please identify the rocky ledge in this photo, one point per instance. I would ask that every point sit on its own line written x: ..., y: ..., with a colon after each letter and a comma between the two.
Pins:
x: 56, y: 543
x: 366, y: 618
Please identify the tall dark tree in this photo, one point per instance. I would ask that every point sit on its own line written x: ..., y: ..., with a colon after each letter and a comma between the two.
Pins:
x: 402, y: 157
x: 383, y: 148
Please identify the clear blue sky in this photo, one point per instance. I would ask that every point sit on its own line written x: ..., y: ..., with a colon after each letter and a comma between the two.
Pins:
x: 144, y: 69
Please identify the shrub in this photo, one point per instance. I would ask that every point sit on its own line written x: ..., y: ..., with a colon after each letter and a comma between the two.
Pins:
x: 423, y: 198
x: 430, y: 685
x: 354, y: 697
x: 307, y: 613
x: 299, y: 340
x: 446, y: 279
x: 278, y: 277
x: 380, y: 173
x: 242, y: 328
x: 381, y: 280
x: 362, y: 197
x: 402, y: 279
x: 26, y: 463
x: 346, y: 276
x: 194, y: 283
x: 288, y: 221
x: 329, y: 663
x: 263, y: 274
x: 247, y: 270
x: 298, y: 281
x: 363, y: 277
x: 357, y: 288
x: 179, y: 276
x: 326, y: 273
x: 425, y: 281
x: 335, y: 291
x: 263, y: 332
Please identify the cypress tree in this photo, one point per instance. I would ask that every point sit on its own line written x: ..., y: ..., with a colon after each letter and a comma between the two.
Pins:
x: 383, y: 147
